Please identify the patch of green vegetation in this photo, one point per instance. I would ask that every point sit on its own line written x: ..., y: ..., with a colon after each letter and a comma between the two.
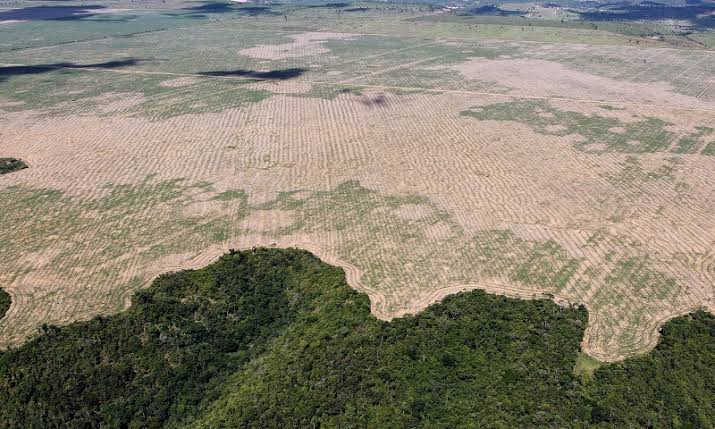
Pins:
x: 146, y: 219
x: 707, y: 38
x: 276, y: 338
x: 709, y: 149
x: 586, y: 366
x: 126, y: 197
x: 212, y: 102
x: 10, y: 165
x: 609, y: 107
x: 329, y: 91
x: 365, y: 45
x: 416, y: 77
x: 55, y: 90
x: 5, y: 301
x: 399, y: 61
x: 494, y: 253
x: 52, y: 32
x: 636, y: 274
x: 545, y: 265
x: 633, y: 289
x: 159, y: 218
x: 230, y: 195
x: 693, y: 143
x: 101, y: 92
x: 600, y: 134
x: 632, y: 172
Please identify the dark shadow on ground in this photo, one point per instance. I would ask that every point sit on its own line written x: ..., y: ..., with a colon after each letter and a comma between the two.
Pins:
x: 701, y: 16
x: 491, y: 10
x: 205, y: 8
x: 281, y: 74
x: 374, y: 101
x: 337, y: 5
x: 11, y: 71
x: 211, y: 7
x: 257, y: 10
x: 54, y: 13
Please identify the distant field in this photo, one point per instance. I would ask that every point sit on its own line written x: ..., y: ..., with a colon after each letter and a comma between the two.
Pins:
x: 422, y: 155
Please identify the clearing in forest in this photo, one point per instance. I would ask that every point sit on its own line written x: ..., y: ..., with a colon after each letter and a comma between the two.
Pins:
x: 423, y: 164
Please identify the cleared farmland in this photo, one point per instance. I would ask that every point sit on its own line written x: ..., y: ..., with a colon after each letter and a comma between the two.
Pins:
x: 422, y: 165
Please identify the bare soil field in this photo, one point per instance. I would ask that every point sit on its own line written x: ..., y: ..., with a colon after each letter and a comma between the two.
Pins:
x: 423, y: 166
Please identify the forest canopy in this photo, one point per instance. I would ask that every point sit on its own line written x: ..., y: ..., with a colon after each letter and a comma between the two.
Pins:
x: 276, y: 338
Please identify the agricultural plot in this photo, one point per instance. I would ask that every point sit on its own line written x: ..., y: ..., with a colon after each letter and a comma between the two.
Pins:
x: 422, y: 165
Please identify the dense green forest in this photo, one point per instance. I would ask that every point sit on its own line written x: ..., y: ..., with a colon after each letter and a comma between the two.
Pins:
x: 4, y: 303
x: 276, y: 338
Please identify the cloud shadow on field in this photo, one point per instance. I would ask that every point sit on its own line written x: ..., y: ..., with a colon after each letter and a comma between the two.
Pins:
x: 336, y: 5
x: 491, y: 10
x: 11, y: 71
x: 699, y: 14
x: 55, y: 13
x: 280, y: 74
x: 257, y: 10
x: 205, y: 9
x: 211, y: 7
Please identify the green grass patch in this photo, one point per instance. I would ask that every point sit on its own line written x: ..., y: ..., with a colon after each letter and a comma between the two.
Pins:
x: 329, y: 91
x: 693, y: 143
x: 600, y: 134
x: 493, y: 253
x: 637, y: 274
x: 231, y: 195
x: 72, y: 92
x: 585, y: 367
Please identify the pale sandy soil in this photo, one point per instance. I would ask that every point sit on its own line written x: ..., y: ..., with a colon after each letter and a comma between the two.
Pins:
x: 534, y: 77
x: 413, y: 211
x: 304, y: 44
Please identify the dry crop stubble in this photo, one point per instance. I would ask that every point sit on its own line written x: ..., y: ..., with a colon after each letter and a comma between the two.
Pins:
x: 429, y: 169
x: 303, y: 45
x: 413, y: 199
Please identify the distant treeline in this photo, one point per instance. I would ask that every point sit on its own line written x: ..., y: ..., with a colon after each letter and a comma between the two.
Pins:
x: 276, y: 338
